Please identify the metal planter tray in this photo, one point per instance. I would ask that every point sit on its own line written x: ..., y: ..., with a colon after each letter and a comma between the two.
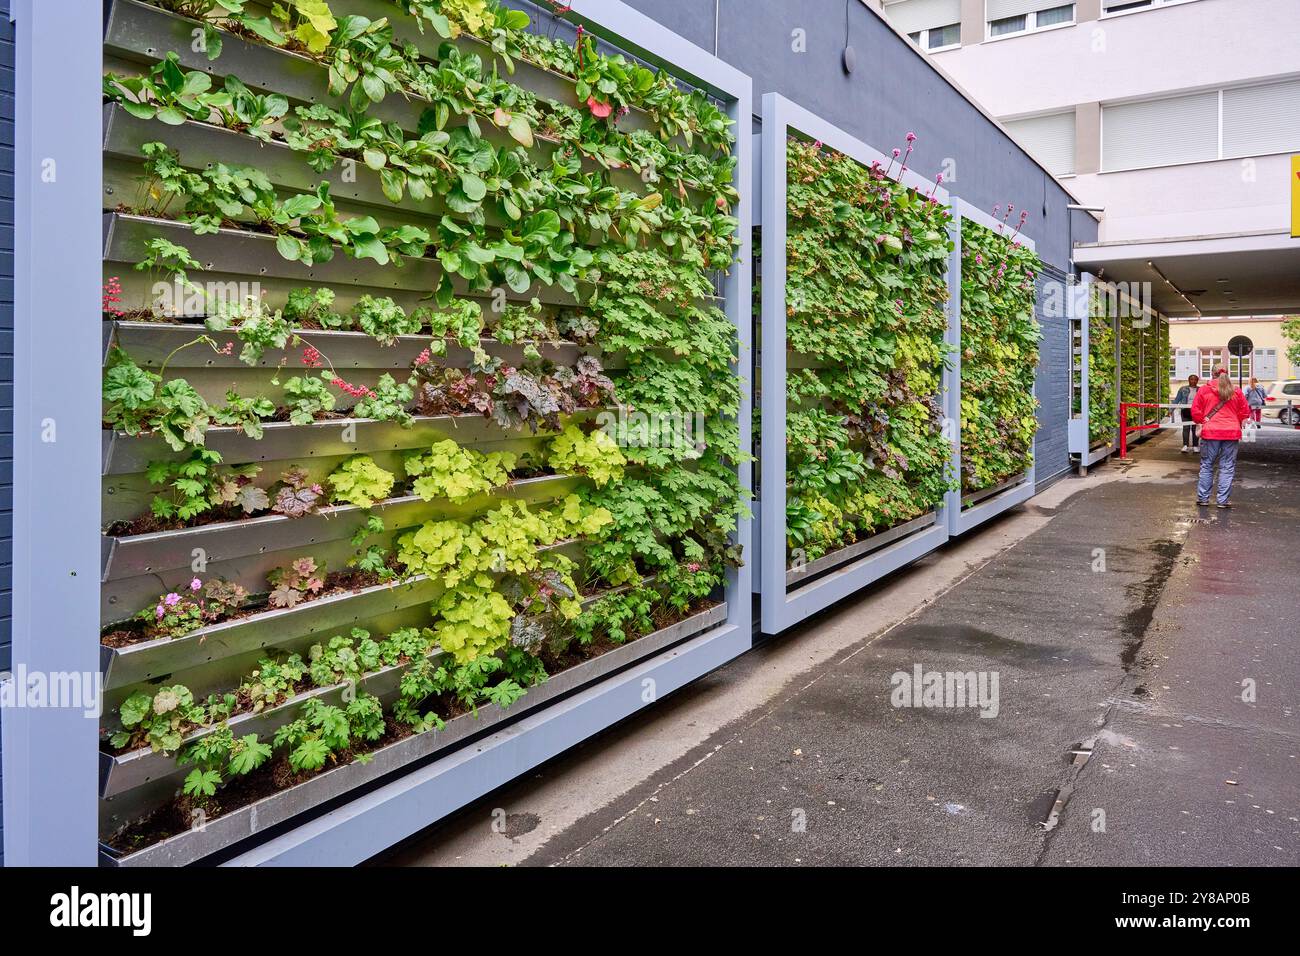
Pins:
x: 126, y: 557
x: 149, y: 344
x: 200, y: 144
x: 148, y: 660
x: 975, y: 497
x: 140, y: 33
x: 227, y: 830
x: 239, y: 252
x: 120, y: 774
x: 154, y: 660
x: 858, y: 549
x: 283, y: 441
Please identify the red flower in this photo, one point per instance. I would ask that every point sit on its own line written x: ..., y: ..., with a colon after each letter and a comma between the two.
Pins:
x: 598, y: 109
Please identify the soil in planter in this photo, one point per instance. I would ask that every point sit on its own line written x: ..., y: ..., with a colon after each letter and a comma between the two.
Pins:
x: 131, y: 632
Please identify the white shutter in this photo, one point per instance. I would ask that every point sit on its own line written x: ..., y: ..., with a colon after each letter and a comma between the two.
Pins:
x: 1258, y: 120
x: 1001, y: 9
x: 1049, y: 138
x: 1186, y: 362
x: 1266, y: 365
x: 910, y: 16
x: 1177, y: 129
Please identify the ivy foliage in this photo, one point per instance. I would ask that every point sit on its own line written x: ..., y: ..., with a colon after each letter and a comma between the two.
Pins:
x: 999, y: 340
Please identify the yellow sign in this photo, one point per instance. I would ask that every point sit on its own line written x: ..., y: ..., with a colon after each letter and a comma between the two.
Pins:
x: 1295, y: 197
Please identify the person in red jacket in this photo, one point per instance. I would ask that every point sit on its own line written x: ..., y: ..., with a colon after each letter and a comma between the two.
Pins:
x: 1219, y: 408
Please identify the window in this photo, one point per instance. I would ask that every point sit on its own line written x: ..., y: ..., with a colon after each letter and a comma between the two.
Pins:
x: 941, y: 37
x: 1239, y: 367
x: 1049, y: 138
x: 1007, y: 25
x: 1009, y: 17
x: 1266, y: 364
x: 1201, y: 127
x: 1210, y: 358
x: 1291, y: 388
x: 1124, y: 6
x: 1050, y: 18
x: 930, y: 24
x: 1258, y: 120
x: 1163, y: 132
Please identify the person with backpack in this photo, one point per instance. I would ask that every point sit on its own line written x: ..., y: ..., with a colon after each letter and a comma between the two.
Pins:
x: 1184, y: 397
x: 1256, y: 398
x: 1219, y: 409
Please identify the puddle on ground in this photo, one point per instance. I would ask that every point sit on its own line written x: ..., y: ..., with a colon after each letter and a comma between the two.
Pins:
x: 1147, y: 594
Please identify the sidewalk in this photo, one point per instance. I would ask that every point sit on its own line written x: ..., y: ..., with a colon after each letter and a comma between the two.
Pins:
x: 1119, y: 691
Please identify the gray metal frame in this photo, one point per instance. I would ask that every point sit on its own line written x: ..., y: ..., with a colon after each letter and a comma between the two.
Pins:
x: 1080, y: 305
x: 962, y: 519
x: 63, y: 239
x: 49, y: 753
x: 782, y: 607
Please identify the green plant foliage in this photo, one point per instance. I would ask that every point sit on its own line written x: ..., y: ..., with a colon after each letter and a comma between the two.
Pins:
x: 999, y: 338
x: 359, y: 481
x: 449, y: 471
x: 866, y: 290
x: 593, y: 454
x: 386, y: 402
x: 1103, y: 397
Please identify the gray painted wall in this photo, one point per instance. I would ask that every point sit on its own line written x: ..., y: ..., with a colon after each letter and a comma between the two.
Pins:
x: 1053, y: 389
x: 6, y: 339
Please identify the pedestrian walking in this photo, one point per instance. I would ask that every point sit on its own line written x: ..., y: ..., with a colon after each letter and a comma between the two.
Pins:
x: 1256, y: 398
x: 1219, y: 409
x: 1184, y: 397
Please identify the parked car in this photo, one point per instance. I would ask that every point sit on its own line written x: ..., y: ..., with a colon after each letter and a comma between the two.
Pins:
x: 1278, y: 396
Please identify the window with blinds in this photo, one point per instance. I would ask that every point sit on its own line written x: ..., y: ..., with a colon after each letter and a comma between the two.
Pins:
x: 1049, y: 138
x: 1217, y: 124
x: 1258, y: 120
x: 913, y: 16
x: 1002, y: 9
x: 1177, y: 129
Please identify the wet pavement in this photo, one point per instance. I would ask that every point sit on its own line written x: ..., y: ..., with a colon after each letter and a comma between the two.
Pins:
x: 1147, y: 661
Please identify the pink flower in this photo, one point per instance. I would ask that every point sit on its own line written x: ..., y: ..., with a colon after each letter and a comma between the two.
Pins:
x: 897, y: 152
x: 939, y: 178
x: 171, y: 600
x: 911, y: 137
x: 159, y: 612
x: 693, y: 567
x: 195, y: 584
x: 979, y: 259
x: 898, y: 304
x: 598, y: 109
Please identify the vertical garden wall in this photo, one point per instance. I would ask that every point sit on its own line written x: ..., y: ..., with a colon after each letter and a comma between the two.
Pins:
x: 420, y: 391
x: 998, y: 360
x: 856, y: 253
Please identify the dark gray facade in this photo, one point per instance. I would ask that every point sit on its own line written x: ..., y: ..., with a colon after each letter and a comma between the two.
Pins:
x: 6, y: 340
x: 1051, y: 447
